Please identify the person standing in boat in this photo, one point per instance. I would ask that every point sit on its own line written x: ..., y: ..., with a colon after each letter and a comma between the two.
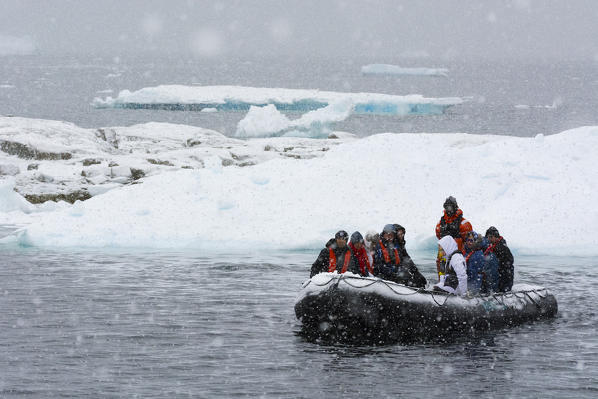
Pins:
x: 407, y: 268
x: 474, y: 261
x: 454, y: 277
x: 452, y: 223
x: 506, y: 270
x: 336, y: 256
x: 360, y: 255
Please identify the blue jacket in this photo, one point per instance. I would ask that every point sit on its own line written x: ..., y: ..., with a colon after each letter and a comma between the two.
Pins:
x: 475, y: 270
x: 490, y: 283
x: 381, y: 267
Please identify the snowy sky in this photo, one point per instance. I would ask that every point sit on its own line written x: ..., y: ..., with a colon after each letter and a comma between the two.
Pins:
x: 438, y: 28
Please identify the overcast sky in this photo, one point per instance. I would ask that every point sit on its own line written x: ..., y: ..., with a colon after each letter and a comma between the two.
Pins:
x: 438, y: 28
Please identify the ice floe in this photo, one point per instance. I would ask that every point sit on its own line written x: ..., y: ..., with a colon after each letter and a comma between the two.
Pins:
x: 52, y: 160
x: 239, y: 98
x: 539, y: 192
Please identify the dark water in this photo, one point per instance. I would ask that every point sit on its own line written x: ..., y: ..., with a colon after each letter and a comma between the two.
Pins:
x: 62, y: 88
x: 182, y: 324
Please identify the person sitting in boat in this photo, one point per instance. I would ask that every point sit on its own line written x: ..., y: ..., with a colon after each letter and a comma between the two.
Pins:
x: 386, y: 255
x: 335, y: 257
x: 474, y: 261
x: 506, y: 270
x: 360, y: 255
x: 452, y: 223
x: 416, y: 279
x: 454, y: 278
x: 387, y: 261
x: 371, y: 242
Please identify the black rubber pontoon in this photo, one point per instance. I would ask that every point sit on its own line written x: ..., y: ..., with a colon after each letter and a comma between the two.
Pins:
x: 355, y: 309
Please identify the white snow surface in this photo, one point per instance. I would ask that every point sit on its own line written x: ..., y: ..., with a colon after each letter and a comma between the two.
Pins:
x: 98, y: 160
x: 180, y: 94
x: 539, y: 192
x: 388, y: 69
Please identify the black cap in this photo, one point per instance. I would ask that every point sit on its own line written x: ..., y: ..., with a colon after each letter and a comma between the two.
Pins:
x: 398, y: 228
x: 341, y: 234
x: 492, y: 232
x: 451, y: 201
x: 356, y: 237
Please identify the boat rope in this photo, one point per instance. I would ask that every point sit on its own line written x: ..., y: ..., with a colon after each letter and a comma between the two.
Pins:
x: 532, y: 299
x: 386, y: 283
x: 443, y: 303
x: 360, y: 286
x: 498, y: 297
x: 501, y: 300
x: 415, y: 291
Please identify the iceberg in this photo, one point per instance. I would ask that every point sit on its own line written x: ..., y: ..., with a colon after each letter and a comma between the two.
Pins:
x: 239, y: 98
x: 387, y: 69
x: 10, y: 200
x: 523, y: 186
x: 269, y: 122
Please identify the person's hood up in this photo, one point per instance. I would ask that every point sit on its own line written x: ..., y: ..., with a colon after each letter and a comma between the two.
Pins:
x: 448, y: 244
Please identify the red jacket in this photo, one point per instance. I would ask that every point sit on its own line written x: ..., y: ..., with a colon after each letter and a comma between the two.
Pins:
x: 448, y: 226
x: 362, y: 259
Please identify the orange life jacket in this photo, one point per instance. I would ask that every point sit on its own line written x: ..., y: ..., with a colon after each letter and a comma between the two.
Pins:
x: 332, y: 264
x: 387, y: 256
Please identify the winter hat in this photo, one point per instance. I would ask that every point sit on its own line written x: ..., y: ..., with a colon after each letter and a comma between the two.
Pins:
x: 398, y: 227
x: 492, y: 232
x: 389, y: 228
x: 452, y: 201
x: 341, y: 234
x: 477, y: 239
x: 356, y: 237
x: 372, y: 236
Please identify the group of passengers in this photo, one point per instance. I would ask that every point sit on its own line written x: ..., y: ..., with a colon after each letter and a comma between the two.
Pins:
x: 467, y: 262
x: 384, y: 256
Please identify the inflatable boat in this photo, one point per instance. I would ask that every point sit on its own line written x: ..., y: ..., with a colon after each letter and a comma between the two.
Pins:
x: 353, y: 309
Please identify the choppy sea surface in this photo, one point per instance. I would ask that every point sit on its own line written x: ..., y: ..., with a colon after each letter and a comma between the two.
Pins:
x: 182, y: 324
x: 185, y: 324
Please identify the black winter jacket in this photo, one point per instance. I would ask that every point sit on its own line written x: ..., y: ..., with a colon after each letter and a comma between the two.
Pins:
x: 506, y: 270
x: 323, y: 261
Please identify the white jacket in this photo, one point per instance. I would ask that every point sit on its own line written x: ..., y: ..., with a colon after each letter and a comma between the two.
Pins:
x: 449, y: 245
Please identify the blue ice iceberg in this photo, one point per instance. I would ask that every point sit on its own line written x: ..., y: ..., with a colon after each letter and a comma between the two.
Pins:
x: 239, y: 98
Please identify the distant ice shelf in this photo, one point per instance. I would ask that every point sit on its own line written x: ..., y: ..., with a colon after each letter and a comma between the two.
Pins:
x: 387, y: 69
x: 240, y: 98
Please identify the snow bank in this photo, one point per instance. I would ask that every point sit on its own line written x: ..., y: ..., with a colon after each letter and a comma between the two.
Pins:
x: 58, y: 160
x: 539, y: 192
x: 387, y: 69
x: 239, y: 98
